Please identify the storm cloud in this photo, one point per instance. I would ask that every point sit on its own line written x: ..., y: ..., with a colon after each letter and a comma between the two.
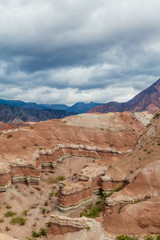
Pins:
x: 54, y: 51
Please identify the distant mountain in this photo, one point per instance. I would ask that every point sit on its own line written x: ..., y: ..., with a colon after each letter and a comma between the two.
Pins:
x: 9, y: 113
x: 82, y: 107
x: 147, y: 100
x: 55, y: 106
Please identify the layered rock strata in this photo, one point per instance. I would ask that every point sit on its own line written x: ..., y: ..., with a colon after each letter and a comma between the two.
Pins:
x: 63, y: 224
x: 75, y: 195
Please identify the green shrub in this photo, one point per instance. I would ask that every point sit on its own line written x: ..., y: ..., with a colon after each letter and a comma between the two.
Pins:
x: 18, y: 220
x: 45, y: 203
x: 25, y: 212
x: 42, y: 232
x: 10, y: 214
x: 7, y: 228
x: 158, y: 237
x: 48, y: 224
x: 88, y: 227
x: 9, y: 135
x: 125, y: 237
x: 35, y: 234
x: 43, y: 210
x: 8, y: 207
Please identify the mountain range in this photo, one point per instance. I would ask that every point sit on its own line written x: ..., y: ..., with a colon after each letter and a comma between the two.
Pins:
x: 147, y: 100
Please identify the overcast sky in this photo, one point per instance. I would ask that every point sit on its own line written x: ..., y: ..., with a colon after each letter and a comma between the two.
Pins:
x: 66, y: 51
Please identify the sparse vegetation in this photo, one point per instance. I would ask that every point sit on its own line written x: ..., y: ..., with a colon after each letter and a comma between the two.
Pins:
x: 9, y: 135
x: 111, y: 145
x: 56, y: 194
x: 158, y: 237
x: 25, y: 212
x: 57, y: 179
x: 42, y: 232
x: 43, y: 210
x: 93, y: 210
x: 18, y: 220
x: 8, y: 206
x: 1, y: 220
x: 10, y: 214
x: 51, y: 194
x: 45, y: 203
x: 48, y: 224
x: 149, y: 237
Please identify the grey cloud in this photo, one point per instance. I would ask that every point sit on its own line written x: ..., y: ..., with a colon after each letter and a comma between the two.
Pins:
x: 78, y: 47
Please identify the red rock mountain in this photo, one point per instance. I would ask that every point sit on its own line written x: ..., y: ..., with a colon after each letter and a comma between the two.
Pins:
x: 147, y: 100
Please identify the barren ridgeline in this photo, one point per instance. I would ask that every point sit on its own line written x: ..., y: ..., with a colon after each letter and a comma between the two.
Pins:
x: 56, y: 176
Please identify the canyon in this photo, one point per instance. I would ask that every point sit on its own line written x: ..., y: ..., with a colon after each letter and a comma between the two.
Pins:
x: 54, y: 172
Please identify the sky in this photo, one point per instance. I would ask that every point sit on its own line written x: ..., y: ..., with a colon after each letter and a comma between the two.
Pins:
x: 68, y: 51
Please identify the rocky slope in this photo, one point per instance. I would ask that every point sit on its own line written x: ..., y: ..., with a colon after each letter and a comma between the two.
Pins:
x: 147, y: 100
x: 134, y: 209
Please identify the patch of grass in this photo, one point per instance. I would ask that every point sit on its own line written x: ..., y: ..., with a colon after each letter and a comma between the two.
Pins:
x: 148, y: 237
x: 1, y: 220
x: 9, y: 214
x: 125, y: 237
x: 158, y: 237
x: 57, y: 179
x: 18, y: 220
x: 9, y: 135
